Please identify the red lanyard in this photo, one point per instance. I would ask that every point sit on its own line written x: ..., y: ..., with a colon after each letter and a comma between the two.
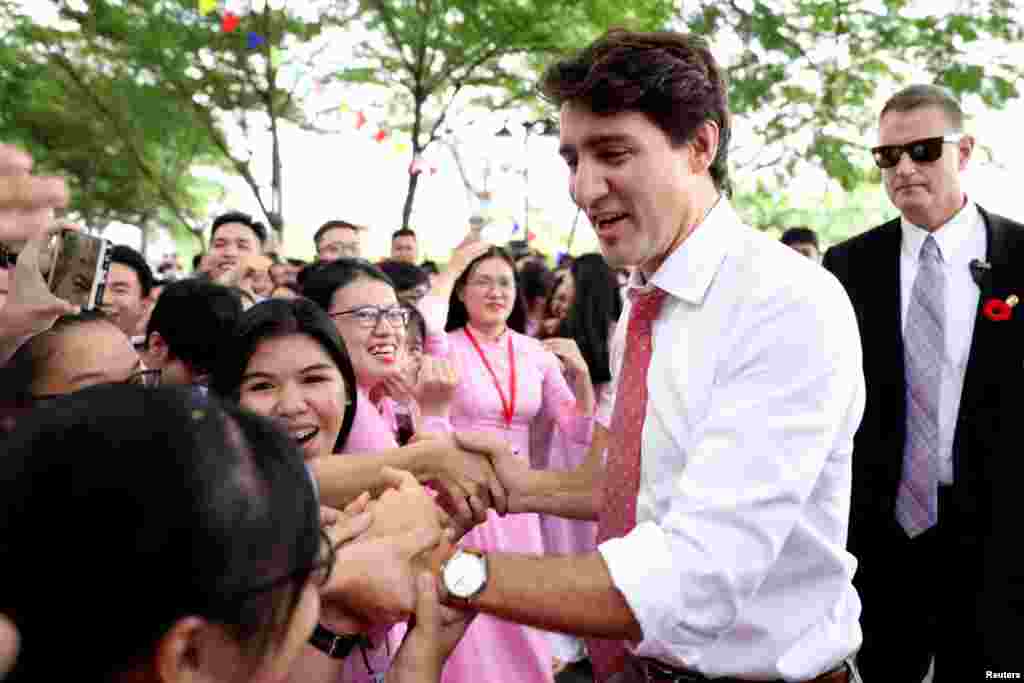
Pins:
x: 507, y: 407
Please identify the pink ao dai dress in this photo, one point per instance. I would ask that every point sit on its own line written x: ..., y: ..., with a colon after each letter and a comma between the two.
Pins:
x: 493, y: 649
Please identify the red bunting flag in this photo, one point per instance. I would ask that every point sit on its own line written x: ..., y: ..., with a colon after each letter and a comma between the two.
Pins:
x: 530, y: 236
x: 381, y: 135
x: 360, y: 120
x: 230, y: 22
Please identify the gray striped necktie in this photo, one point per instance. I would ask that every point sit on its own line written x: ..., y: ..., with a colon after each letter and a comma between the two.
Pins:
x: 917, y: 502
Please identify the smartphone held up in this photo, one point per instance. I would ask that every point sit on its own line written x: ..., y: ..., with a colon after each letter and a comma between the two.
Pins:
x: 79, y: 267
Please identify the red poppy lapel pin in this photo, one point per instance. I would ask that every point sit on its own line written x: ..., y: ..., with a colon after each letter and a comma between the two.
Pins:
x: 999, y: 310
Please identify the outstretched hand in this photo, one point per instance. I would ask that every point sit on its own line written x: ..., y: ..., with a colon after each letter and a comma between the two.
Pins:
x: 467, y: 484
x: 374, y: 574
x: 434, y: 632
x: 513, y: 471
x: 26, y: 201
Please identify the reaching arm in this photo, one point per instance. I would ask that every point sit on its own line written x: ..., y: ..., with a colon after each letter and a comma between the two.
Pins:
x: 467, y: 477
x: 575, y: 494
x: 535, y: 591
x: 468, y: 250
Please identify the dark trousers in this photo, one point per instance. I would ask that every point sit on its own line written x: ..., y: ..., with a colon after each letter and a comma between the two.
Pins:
x: 904, y: 598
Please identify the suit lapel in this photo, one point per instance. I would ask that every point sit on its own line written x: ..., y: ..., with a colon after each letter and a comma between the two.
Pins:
x: 883, y: 322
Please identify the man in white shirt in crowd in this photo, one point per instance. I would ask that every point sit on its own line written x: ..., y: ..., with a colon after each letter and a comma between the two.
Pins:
x: 726, y: 499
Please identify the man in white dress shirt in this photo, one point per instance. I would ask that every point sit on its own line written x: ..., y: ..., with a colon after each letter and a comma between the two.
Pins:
x: 736, y: 569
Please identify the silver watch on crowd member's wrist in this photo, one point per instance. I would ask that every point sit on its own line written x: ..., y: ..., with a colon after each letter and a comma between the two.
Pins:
x: 464, y: 574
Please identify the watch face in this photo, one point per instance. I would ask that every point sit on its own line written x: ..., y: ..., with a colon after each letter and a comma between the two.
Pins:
x: 465, y: 574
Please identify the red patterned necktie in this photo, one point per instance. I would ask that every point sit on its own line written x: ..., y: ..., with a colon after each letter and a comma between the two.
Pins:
x: 617, y: 516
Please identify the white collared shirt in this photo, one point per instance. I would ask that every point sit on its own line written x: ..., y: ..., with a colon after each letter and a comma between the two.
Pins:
x: 960, y: 241
x: 737, y: 565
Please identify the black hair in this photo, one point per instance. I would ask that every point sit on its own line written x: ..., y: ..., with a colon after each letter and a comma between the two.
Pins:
x: 243, y: 218
x: 404, y: 275
x: 322, y: 280
x: 458, y: 316
x: 404, y: 232
x: 672, y: 78
x: 331, y: 225
x: 430, y: 267
x: 127, y: 256
x: 800, y: 235
x: 297, y: 262
x: 195, y: 508
x: 595, y: 309
x: 32, y: 357
x: 196, y: 319
x: 278, y: 318
x: 197, y: 259
x: 537, y: 281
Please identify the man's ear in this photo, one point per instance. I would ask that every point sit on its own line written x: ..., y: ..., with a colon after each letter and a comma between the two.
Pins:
x: 188, y: 651
x: 705, y: 146
x: 156, y: 347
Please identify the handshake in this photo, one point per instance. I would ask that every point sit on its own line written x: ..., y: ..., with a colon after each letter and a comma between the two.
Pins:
x: 385, y: 559
x: 384, y: 539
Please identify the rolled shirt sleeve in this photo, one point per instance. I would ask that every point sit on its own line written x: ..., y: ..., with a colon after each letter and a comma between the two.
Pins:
x: 727, y: 533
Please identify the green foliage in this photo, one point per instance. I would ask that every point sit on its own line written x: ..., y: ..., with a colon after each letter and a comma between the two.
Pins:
x: 431, y: 55
x: 170, y: 87
x: 835, y: 216
x: 123, y: 151
x: 810, y: 75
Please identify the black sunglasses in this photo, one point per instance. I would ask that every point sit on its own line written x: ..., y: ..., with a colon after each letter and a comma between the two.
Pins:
x: 925, y: 150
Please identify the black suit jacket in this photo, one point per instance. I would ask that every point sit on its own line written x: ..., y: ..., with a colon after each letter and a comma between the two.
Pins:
x: 965, y: 603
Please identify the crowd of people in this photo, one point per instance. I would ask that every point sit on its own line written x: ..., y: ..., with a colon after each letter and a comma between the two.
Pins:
x: 693, y: 456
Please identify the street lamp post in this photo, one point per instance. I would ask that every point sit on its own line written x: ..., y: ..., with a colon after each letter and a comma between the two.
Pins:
x: 545, y: 127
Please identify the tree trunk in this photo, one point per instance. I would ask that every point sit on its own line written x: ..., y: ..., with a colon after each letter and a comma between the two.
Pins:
x: 144, y: 243
x: 410, y: 195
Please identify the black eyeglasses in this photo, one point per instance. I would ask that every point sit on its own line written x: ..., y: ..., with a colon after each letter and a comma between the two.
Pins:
x: 925, y: 150
x: 369, y: 317
x: 145, y: 378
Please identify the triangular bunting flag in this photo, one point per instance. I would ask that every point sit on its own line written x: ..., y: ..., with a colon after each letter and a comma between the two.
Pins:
x: 230, y: 22
x: 206, y: 6
x: 381, y: 135
x: 360, y: 120
x: 255, y: 40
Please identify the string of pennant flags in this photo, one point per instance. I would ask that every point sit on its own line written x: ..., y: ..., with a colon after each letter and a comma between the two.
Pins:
x: 231, y: 22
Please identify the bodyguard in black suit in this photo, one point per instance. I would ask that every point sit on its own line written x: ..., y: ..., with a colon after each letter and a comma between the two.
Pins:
x: 954, y: 591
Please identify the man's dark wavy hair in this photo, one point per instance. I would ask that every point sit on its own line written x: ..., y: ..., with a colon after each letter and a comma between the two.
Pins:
x: 672, y: 78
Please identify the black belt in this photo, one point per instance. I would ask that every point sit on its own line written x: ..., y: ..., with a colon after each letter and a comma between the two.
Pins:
x: 653, y: 671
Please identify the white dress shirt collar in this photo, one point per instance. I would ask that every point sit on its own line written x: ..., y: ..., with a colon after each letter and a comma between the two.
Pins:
x: 950, y: 237
x: 688, y: 271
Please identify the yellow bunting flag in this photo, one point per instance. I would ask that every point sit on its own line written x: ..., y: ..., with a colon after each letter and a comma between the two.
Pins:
x: 207, y: 6
x: 275, y: 57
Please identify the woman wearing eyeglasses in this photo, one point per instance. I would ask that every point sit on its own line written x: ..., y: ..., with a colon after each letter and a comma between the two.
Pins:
x: 362, y: 302
x: 191, y: 548
x: 287, y: 361
x: 508, y: 381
